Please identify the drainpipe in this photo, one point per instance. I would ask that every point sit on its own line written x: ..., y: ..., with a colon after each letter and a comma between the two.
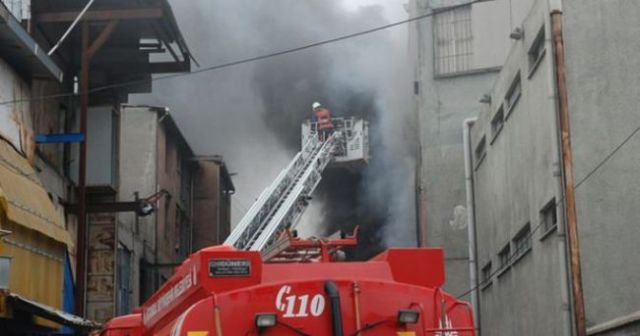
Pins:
x: 471, y: 220
x: 567, y: 170
x: 561, y: 231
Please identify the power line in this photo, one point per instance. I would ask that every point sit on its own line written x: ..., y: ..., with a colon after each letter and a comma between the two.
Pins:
x: 600, y: 164
x: 237, y: 207
x: 255, y: 58
x: 606, y: 159
x: 241, y: 203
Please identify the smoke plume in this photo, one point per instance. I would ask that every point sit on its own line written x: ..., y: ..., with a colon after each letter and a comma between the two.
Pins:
x: 252, y: 114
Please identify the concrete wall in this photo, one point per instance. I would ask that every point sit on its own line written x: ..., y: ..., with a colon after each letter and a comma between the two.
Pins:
x: 16, y: 125
x: 443, y: 103
x: 208, y: 206
x: 138, y: 157
x: 166, y: 164
x: 101, y: 162
x: 521, y: 172
x: 602, y: 75
x: 517, y: 177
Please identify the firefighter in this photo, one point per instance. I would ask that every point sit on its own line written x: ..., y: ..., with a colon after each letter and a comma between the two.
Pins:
x: 323, y: 119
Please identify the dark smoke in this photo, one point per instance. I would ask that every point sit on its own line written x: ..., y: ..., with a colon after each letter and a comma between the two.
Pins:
x: 252, y: 114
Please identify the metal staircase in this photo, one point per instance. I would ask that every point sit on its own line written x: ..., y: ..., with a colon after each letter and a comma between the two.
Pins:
x: 281, y: 205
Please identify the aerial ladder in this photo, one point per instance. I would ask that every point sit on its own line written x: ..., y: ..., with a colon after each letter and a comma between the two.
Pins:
x: 281, y: 205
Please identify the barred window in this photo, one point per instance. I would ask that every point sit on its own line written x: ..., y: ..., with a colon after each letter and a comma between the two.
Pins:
x: 513, y: 95
x: 504, y: 257
x: 487, y: 273
x: 497, y: 123
x: 522, y: 242
x: 453, y: 41
x: 549, y: 218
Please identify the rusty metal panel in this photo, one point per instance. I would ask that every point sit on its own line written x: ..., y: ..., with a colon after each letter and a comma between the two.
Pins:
x: 101, y: 267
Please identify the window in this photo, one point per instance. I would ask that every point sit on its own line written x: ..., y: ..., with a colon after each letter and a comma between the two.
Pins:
x: 481, y: 151
x: 487, y: 271
x: 549, y: 218
x: 512, y: 96
x: 183, y: 232
x: 496, y: 123
x: 522, y: 242
x: 146, y: 281
x: 504, y: 257
x: 536, y: 52
x: 453, y: 41
x: 124, y: 280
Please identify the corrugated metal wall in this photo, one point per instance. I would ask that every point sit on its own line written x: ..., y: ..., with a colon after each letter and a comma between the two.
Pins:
x: 37, y: 264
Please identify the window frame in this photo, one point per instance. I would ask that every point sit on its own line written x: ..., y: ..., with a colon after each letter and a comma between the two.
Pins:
x: 523, y: 233
x: 482, y: 144
x: 499, y: 115
x: 548, y: 230
x: 503, y: 267
x: 536, y: 51
x: 510, y: 102
x: 124, y: 277
x: 454, y: 63
x: 487, y: 275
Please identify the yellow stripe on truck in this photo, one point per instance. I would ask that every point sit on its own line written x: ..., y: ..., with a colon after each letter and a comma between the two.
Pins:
x: 197, y: 333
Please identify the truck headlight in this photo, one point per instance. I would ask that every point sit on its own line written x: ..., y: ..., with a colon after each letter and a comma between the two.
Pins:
x: 265, y: 320
x: 408, y: 316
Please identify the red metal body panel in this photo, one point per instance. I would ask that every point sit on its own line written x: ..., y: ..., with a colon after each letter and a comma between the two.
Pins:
x: 224, y: 299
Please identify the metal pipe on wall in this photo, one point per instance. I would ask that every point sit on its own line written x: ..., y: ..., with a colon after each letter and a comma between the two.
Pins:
x: 82, y: 172
x: 563, y: 272
x: 471, y: 220
x: 571, y: 220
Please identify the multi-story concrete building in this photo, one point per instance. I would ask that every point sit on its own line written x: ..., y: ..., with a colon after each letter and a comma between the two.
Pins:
x: 39, y: 115
x: 518, y: 170
x: 190, y: 196
x: 460, y: 49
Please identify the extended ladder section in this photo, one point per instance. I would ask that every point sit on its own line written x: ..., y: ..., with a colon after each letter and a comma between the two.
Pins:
x: 281, y: 205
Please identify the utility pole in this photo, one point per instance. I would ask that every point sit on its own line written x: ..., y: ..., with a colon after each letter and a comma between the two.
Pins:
x: 87, y: 53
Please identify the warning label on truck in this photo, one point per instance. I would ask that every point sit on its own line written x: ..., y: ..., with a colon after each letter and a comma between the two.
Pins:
x: 229, y: 267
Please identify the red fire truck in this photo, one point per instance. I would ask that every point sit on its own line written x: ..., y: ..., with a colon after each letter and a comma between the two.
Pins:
x: 265, y: 281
